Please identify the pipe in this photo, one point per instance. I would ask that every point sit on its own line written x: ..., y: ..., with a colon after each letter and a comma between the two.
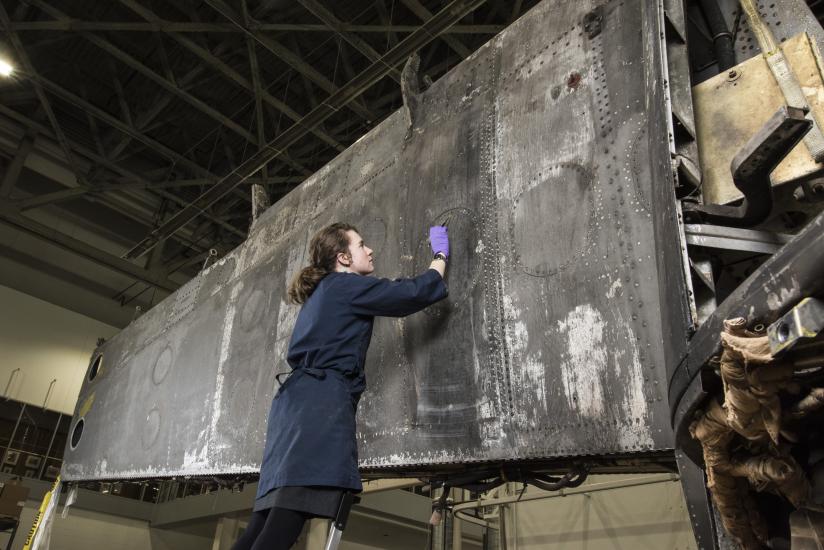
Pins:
x: 458, y: 508
x: 721, y: 35
x: 51, y: 442
x: 8, y: 384
x: 457, y: 532
x: 48, y: 392
x: 14, y: 432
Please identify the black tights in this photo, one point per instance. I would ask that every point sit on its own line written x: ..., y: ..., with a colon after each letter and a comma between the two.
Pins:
x: 272, y: 529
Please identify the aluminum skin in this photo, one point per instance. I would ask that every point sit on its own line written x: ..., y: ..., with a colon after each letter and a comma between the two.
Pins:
x: 547, y: 153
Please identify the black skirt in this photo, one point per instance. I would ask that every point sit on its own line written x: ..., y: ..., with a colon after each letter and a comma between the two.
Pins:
x: 321, y: 502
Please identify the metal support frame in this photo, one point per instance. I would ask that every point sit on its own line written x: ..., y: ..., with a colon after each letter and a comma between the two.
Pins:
x: 85, y: 250
x: 16, y: 166
x: 733, y: 238
x: 198, y: 27
x: 339, y: 523
x: 804, y: 321
x: 751, y: 169
x: 699, y: 504
x: 51, y: 443
x: 425, y: 15
x: 318, y: 10
x: 450, y: 14
x: 287, y: 56
x: 41, y: 95
x: 791, y: 274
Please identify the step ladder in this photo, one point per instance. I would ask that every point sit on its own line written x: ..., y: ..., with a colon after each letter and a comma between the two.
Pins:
x: 339, y: 523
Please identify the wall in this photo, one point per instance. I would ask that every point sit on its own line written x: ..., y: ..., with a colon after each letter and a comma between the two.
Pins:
x: 649, y: 517
x: 45, y: 342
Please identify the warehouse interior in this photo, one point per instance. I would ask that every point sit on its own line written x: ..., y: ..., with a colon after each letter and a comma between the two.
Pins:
x: 119, y: 124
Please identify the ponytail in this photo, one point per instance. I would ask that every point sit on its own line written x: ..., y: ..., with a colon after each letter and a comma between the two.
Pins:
x: 324, y: 249
x: 304, y: 283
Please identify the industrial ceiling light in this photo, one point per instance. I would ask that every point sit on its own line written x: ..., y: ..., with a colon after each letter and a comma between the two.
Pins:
x: 5, y: 68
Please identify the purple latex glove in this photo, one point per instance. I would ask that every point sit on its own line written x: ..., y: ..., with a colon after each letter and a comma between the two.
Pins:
x: 439, y: 240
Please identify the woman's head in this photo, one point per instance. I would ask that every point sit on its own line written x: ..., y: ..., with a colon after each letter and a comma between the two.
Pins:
x: 336, y: 247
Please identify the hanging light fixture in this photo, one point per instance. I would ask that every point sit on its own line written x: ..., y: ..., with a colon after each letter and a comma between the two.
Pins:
x: 6, y: 69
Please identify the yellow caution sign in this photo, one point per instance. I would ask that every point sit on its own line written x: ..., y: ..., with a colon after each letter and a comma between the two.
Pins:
x: 43, y: 516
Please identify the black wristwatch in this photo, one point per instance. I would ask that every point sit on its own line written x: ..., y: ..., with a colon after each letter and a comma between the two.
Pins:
x: 439, y: 256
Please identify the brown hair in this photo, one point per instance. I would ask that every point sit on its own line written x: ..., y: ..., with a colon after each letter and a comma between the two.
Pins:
x: 324, y: 249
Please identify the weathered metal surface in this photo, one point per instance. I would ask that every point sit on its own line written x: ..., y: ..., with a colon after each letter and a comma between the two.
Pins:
x: 548, y: 154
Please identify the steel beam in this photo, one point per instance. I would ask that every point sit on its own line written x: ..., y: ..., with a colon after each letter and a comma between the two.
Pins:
x: 450, y: 14
x: 114, y: 167
x: 121, y: 96
x: 170, y: 87
x: 74, y: 25
x: 732, y: 238
x: 425, y: 15
x: 41, y: 95
x: 257, y: 88
x: 233, y: 75
x: 16, y: 165
x: 287, y: 56
x: 156, y: 107
x: 158, y: 79
x: 213, y: 61
x: 386, y: 19
x: 80, y: 248
x: 318, y: 10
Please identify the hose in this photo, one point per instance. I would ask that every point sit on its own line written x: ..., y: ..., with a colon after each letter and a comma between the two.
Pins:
x: 721, y: 36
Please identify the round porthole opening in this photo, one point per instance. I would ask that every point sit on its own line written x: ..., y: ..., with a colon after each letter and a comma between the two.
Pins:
x: 96, y: 365
x: 77, y: 432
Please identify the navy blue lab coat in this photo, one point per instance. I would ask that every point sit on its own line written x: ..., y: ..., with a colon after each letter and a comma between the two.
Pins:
x: 310, y: 438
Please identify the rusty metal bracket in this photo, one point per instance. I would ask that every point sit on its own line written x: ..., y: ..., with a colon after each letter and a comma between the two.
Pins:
x: 806, y: 320
x: 751, y: 170
x: 411, y: 91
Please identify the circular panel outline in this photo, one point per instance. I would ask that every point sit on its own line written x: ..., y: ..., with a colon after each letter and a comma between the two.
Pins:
x: 161, y: 370
x: 423, y: 258
x: 576, y: 255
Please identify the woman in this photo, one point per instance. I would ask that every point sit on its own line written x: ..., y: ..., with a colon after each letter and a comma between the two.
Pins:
x: 311, y: 455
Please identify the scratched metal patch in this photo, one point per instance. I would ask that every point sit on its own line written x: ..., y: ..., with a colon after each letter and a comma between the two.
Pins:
x: 540, y: 153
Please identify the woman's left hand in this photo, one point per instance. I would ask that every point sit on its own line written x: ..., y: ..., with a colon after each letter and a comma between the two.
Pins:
x: 439, y: 239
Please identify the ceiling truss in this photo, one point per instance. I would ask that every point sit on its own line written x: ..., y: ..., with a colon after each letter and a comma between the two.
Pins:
x: 165, y: 113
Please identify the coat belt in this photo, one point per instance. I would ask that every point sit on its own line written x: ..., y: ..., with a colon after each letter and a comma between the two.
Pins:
x: 314, y: 372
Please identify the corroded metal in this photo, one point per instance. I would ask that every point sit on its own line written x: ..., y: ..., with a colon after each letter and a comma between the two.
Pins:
x: 547, y: 153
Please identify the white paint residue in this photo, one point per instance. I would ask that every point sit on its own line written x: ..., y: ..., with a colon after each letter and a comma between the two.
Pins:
x: 585, y: 361
x: 614, y: 288
x: 366, y: 168
x: 480, y: 247
x: 509, y: 307
x: 782, y: 296
x: 518, y: 337
x: 200, y: 456
x: 773, y: 301
x: 534, y: 373
x: 633, y: 401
